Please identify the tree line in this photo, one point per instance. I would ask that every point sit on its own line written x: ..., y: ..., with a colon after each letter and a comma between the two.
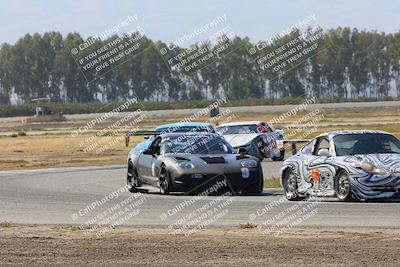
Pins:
x: 347, y: 63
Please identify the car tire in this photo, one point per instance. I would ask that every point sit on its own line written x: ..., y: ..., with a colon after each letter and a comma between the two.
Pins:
x: 343, y: 186
x: 165, y: 181
x: 132, y: 178
x: 289, y: 182
x: 260, y: 186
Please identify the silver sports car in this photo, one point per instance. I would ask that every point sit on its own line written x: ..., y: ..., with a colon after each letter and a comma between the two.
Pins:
x: 180, y: 162
x: 348, y: 164
x: 256, y: 138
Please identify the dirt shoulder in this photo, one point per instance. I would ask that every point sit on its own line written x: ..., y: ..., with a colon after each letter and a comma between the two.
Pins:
x: 45, y: 245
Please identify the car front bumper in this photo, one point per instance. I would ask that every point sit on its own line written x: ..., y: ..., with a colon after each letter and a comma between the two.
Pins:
x: 375, y: 187
x: 243, y: 181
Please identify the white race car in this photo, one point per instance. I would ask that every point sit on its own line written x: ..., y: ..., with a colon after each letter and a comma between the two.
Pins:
x: 255, y: 138
x: 349, y: 164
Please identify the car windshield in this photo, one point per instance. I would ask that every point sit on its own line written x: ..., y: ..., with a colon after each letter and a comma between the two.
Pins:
x: 370, y: 143
x: 208, y: 144
x: 238, y: 129
x: 183, y: 129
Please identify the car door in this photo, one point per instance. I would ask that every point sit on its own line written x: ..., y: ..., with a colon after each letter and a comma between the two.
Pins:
x: 267, y: 144
x: 146, y: 162
x: 321, y: 170
x: 306, y: 156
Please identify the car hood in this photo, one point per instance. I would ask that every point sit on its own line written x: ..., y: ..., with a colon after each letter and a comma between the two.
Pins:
x: 201, y: 159
x: 390, y: 162
x: 240, y: 139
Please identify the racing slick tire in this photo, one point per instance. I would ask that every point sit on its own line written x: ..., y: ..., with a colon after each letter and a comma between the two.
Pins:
x: 289, y: 182
x: 343, y: 186
x: 165, y: 181
x: 260, y: 186
x: 132, y: 178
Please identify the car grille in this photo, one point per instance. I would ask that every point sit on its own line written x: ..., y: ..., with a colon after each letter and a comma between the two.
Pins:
x: 236, y: 182
x: 211, y: 160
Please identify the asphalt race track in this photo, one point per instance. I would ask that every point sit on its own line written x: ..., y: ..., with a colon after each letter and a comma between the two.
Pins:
x: 240, y: 109
x: 62, y: 196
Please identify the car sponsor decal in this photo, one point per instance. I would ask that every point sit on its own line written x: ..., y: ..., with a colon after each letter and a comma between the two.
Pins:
x: 316, y: 175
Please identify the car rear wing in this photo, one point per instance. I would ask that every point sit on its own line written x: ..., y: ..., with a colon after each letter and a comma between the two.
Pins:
x: 293, y: 144
x: 139, y: 133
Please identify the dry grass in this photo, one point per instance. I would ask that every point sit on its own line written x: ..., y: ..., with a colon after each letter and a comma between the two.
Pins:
x: 272, y: 183
x: 51, y: 145
x: 247, y: 226
x: 5, y: 224
x: 60, y: 151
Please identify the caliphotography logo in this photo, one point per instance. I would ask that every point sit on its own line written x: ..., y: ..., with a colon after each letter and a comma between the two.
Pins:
x: 188, y: 133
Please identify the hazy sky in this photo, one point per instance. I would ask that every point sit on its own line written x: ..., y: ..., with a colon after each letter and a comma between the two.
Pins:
x: 168, y: 20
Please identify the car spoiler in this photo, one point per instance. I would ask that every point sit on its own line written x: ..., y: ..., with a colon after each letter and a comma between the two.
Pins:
x: 139, y: 133
x: 293, y: 144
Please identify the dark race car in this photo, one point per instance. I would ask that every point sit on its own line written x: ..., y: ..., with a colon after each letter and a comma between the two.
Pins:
x: 172, y: 128
x: 348, y: 164
x: 180, y: 162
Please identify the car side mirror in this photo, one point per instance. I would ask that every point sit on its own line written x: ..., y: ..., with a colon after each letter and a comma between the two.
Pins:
x: 324, y: 152
x: 148, y: 151
x: 241, y: 151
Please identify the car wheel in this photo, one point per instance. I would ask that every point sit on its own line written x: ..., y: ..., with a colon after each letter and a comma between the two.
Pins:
x: 165, y: 181
x: 343, y: 186
x: 132, y: 178
x: 290, y: 187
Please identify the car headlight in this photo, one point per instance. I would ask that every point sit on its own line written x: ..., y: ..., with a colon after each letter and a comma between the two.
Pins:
x: 371, y: 168
x: 185, y: 165
x: 249, y: 163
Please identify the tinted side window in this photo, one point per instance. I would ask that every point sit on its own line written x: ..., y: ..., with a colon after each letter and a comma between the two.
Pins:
x: 155, y: 146
x: 266, y: 128
x: 323, y: 143
x: 309, y: 148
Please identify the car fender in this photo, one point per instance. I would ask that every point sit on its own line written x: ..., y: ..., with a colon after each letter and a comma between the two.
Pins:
x: 167, y: 161
x: 283, y: 169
